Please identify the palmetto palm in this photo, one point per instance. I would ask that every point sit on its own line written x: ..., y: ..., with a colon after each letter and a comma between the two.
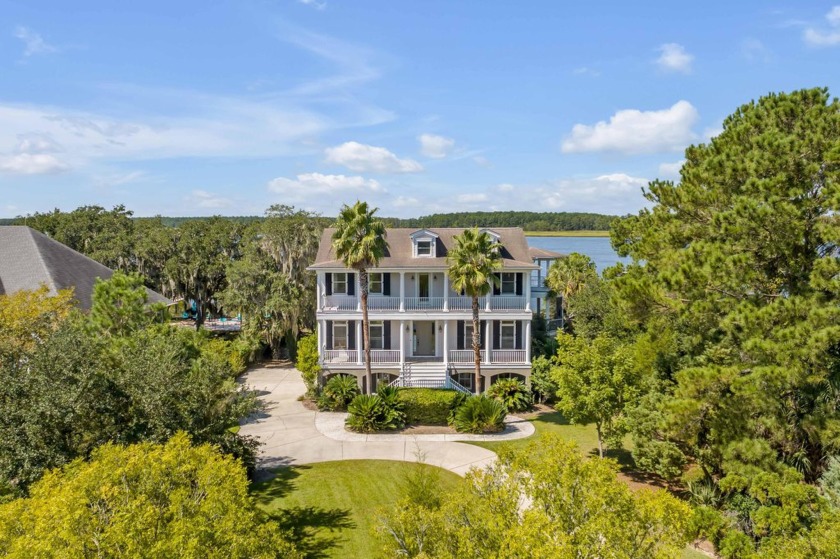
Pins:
x: 471, y: 264
x: 359, y: 242
x: 569, y: 275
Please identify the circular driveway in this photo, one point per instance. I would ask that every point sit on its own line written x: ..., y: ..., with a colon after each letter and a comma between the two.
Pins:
x: 290, y: 437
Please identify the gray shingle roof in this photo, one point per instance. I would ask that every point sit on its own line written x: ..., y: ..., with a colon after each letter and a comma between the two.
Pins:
x: 400, y: 249
x: 29, y: 259
x: 545, y: 253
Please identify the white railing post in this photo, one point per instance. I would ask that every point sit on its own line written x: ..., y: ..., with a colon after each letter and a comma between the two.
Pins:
x: 402, y: 291
x: 445, y: 291
x: 527, y: 292
x: 527, y: 341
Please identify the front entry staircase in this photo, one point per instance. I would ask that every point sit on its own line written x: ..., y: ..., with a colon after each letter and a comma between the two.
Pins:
x: 427, y: 375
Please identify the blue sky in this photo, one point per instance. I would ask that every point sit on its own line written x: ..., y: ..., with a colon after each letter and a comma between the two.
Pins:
x: 201, y: 108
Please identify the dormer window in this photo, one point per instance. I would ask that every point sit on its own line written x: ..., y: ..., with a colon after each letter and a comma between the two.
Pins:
x: 425, y: 243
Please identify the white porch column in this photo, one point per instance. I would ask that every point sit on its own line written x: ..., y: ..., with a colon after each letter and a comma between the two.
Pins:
x: 445, y: 291
x: 527, y: 341
x: 357, y: 279
x: 527, y: 291
x: 446, y: 342
x: 360, y: 343
x: 489, y: 341
x: 402, y: 291
x: 402, y: 345
x: 319, y: 285
x: 322, y: 339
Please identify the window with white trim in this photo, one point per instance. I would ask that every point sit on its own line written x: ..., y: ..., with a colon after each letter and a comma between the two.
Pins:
x: 508, y: 286
x: 339, y: 335
x: 377, y: 335
x: 424, y: 248
x: 375, y: 283
x: 507, y: 333
x: 339, y: 283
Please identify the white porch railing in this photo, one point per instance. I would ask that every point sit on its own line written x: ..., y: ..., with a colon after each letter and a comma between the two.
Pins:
x: 508, y: 356
x: 340, y: 303
x: 340, y: 356
x: 465, y: 356
x: 383, y: 303
x: 384, y: 356
x: 502, y: 303
x: 423, y: 303
x: 465, y: 303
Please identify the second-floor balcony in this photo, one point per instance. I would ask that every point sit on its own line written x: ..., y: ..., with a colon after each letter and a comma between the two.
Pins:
x: 380, y: 303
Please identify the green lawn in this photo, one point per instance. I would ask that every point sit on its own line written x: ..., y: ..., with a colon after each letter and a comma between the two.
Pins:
x: 567, y: 233
x: 554, y: 422
x: 330, y: 507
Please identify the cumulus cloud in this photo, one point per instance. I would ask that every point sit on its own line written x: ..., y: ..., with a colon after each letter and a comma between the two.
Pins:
x: 436, y: 147
x: 633, y: 131
x: 208, y: 200
x: 309, y: 186
x: 674, y: 58
x: 33, y: 43
x: 364, y: 158
x: 827, y: 36
x: 670, y: 170
x: 32, y: 164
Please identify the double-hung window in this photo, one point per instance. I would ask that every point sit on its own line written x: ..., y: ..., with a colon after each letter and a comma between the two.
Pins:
x: 377, y: 335
x: 375, y: 283
x: 339, y: 335
x: 424, y: 248
x: 508, y: 334
x: 339, y: 283
x: 508, y: 286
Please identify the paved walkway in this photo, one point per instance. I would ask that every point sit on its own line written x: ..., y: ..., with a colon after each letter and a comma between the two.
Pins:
x: 289, y: 435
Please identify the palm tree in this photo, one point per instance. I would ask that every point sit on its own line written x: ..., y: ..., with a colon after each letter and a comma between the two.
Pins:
x: 568, y: 276
x: 359, y: 241
x: 471, y: 265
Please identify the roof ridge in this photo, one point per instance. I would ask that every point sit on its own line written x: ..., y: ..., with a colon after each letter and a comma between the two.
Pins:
x: 47, y: 272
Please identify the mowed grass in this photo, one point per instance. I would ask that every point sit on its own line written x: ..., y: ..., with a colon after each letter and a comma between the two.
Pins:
x: 331, y: 507
x: 584, y: 436
x: 567, y: 233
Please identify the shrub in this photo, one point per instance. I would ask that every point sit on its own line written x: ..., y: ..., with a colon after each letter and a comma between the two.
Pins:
x: 307, y: 362
x: 511, y: 393
x: 542, y: 383
x: 480, y: 414
x: 376, y: 413
x: 428, y: 406
x: 338, y: 393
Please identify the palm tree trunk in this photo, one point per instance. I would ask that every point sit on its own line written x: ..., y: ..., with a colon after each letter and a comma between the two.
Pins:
x: 476, y: 342
x: 363, y: 287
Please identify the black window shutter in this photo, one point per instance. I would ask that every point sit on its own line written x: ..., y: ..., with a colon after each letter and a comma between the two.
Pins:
x: 329, y: 334
x: 386, y: 283
x: 386, y: 334
x: 519, y: 335
x: 351, y: 334
x: 351, y: 284
x: 497, y: 285
x: 460, y: 344
x: 482, y: 326
x: 497, y: 334
x: 328, y: 280
x: 519, y: 283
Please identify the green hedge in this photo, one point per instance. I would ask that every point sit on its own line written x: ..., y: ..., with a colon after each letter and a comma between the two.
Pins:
x: 428, y: 406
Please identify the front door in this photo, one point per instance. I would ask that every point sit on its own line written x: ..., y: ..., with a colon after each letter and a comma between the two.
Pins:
x: 424, y: 333
x: 423, y: 286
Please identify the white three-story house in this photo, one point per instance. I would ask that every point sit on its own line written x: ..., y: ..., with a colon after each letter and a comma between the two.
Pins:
x: 420, y: 329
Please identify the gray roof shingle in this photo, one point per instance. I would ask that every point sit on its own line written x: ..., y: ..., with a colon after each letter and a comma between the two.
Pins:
x: 28, y: 259
x: 400, y: 249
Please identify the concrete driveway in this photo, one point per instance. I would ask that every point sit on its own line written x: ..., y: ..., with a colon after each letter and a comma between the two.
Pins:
x: 289, y: 436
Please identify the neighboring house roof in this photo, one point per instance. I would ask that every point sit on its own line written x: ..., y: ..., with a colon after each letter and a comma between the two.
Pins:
x: 29, y: 259
x: 545, y: 254
x: 400, y: 249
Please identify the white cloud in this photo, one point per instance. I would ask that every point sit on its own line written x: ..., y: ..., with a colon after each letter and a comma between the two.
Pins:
x: 436, y: 147
x: 670, y: 170
x: 633, y: 132
x: 471, y: 198
x: 364, y: 158
x: 825, y: 37
x: 754, y: 50
x: 32, y: 164
x: 482, y: 161
x: 33, y: 42
x: 405, y: 202
x: 674, y: 58
x: 208, y: 200
x: 318, y: 188
x: 711, y: 132
x: 314, y: 3
x: 504, y: 187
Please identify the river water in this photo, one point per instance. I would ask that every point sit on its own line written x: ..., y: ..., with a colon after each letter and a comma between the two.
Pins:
x: 596, y: 248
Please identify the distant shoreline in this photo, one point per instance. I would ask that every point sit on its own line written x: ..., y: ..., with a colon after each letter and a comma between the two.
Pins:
x: 567, y: 233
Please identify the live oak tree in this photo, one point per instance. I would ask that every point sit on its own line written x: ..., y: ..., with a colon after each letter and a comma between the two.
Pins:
x: 144, y: 500
x: 359, y: 242
x: 471, y: 265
